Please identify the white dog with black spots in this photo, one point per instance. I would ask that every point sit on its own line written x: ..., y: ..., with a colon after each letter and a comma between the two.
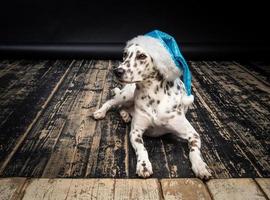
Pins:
x: 153, y: 99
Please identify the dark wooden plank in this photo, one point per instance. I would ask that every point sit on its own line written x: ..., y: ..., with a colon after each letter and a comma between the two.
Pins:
x: 113, y: 150
x: 157, y: 157
x: 23, y: 99
x: 177, y: 157
x: 237, y: 128
x: 70, y: 156
x: 260, y: 69
x: 32, y: 156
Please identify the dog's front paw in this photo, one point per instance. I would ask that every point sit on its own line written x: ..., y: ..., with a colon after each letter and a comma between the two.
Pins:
x: 99, y: 114
x: 202, y: 171
x: 144, y: 168
x: 125, y: 116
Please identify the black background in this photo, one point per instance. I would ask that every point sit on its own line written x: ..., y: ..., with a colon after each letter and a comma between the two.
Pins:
x: 99, y: 28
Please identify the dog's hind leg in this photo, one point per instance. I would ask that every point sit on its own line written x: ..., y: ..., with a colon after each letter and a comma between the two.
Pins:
x: 183, y: 129
x: 120, y: 98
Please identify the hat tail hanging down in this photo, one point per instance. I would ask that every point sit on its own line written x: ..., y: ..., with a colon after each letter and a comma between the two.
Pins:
x: 171, y: 46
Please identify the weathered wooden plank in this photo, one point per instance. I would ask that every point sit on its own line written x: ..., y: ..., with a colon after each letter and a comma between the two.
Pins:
x: 223, y: 110
x: 259, y: 69
x: 234, y: 189
x: 10, y: 188
x: 189, y: 189
x: 92, y: 163
x: 264, y: 183
x: 23, y: 103
x: 42, y: 189
x: 137, y: 189
x: 74, y: 144
x: 100, y: 189
x: 33, y: 154
x: 112, y: 156
x: 157, y: 157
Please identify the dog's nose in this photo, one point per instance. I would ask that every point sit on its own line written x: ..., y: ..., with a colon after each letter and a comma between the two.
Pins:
x: 119, y: 72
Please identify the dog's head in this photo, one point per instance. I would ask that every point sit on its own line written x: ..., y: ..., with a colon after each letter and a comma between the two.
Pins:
x: 137, y: 65
x: 143, y: 58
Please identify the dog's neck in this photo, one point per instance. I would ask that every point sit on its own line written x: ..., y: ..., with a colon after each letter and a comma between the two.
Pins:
x: 153, y: 86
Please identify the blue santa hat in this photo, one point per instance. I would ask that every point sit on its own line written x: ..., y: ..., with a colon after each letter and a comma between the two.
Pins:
x: 167, y: 57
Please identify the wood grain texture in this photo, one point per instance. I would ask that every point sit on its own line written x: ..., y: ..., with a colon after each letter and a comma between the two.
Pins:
x: 231, y: 112
x: 137, y: 189
x: 121, y: 189
x: 235, y: 189
x: 47, y: 189
x: 101, y: 189
x: 264, y: 183
x: 11, y: 188
x: 184, y: 189
x: 25, y: 86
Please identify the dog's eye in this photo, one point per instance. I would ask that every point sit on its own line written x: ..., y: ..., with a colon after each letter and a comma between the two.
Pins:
x: 141, y: 56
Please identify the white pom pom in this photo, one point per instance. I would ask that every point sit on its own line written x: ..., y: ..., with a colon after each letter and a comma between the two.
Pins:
x: 187, y: 100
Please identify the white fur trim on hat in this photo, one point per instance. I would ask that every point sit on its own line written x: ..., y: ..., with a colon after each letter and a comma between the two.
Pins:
x: 161, y: 56
x: 187, y: 100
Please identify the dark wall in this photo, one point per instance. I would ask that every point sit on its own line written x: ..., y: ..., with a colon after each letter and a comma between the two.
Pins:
x: 100, y: 28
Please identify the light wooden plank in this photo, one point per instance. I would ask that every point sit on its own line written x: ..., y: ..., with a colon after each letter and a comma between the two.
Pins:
x: 91, y: 189
x: 265, y: 185
x: 235, y: 189
x: 137, y: 189
x: 10, y: 187
x: 42, y: 189
x: 190, y: 189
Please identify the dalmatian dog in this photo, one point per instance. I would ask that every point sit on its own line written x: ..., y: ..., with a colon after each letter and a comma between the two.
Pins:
x: 153, y: 99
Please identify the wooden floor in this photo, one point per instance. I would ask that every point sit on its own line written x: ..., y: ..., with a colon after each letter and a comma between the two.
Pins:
x: 135, y: 189
x: 46, y: 129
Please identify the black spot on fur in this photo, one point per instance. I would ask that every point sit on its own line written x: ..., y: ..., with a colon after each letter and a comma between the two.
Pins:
x: 139, y: 140
x: 178, y: 87
x: 130, y: 55
x: 175, y: 106
x: 138, y: 87
x: 158, y: 101
x: 151, y: 101
x: 196, y: 136
x: 156, y: 89
x: 126, y: 62
x: 167, y: 86
x: 124, y: 97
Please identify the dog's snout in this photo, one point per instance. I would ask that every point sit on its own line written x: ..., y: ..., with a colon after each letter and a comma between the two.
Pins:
x: 119, y: 72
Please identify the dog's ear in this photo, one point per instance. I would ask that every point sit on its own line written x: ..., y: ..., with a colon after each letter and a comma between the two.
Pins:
x: 168, y: 70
